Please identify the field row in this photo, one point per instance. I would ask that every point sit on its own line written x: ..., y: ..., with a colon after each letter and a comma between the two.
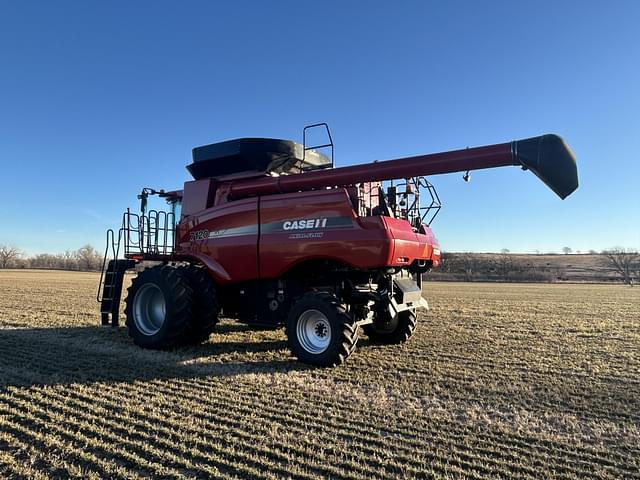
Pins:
x: 501, y: 381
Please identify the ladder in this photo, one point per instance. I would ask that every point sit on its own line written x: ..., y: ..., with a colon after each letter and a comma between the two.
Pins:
x: 112, y: 290
x: 111, y: 280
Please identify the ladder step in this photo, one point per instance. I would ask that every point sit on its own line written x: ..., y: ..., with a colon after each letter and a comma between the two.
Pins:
x: 112, y: 290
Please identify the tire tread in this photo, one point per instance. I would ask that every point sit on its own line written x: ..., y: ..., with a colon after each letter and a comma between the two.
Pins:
x: 407, y: 324
x: 205, y: 304
x: 349, y: 332
x: 178, y: 294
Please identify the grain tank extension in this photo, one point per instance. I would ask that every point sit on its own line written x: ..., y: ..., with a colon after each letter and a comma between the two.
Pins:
x: 270, y: 233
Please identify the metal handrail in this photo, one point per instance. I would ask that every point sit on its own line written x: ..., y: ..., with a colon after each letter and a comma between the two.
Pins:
x: 304, y: 141
x: 115, y: 250
x: 369, y: 197
x: 149, y: 234
x: 110, y: 234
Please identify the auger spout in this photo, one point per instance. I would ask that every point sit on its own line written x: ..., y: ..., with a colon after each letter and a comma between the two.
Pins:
x: 551, y: 160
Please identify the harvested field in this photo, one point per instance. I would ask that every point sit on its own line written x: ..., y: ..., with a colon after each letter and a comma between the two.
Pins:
x: 500, y: 381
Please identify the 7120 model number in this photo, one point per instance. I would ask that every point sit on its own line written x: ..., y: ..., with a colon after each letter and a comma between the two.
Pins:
x: 199, y: 235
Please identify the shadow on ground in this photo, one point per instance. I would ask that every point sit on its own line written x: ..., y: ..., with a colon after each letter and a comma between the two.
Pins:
x: 53, y: 356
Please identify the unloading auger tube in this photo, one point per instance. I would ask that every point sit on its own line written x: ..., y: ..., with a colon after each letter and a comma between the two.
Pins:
x: 547, y: 156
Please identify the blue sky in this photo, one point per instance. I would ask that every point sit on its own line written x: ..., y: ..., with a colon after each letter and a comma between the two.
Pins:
x: 99, y: 99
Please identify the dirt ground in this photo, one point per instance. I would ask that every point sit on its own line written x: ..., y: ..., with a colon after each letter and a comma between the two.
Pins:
x: 500, y: 381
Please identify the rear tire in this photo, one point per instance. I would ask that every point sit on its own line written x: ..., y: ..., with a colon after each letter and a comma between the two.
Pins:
x: 319, y: 330
x: 158, y: 307
x: 205, y: 306
x: 393, y: 330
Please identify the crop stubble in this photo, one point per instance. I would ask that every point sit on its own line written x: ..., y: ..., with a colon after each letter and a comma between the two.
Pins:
x: 501, y: 380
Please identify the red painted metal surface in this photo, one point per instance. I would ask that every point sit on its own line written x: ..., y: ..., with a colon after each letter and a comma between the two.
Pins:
x: 346, y: 242
x: 227, y: 235
x: 238, y: 244
x: 196, y: 196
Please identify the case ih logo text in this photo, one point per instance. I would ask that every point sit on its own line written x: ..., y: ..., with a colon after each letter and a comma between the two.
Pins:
x: 305, y: 224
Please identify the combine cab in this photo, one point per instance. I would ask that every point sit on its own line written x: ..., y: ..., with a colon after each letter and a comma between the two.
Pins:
x: 269, y: 233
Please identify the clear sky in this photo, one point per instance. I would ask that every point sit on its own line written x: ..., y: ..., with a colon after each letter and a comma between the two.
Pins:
x: 99, y: 99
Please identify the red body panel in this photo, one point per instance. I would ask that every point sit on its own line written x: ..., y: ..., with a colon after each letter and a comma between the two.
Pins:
x: 196, y: 196
x: 342, y: 240
x: 264, y: 237
x: 408, y: 245
x: 227, y: 236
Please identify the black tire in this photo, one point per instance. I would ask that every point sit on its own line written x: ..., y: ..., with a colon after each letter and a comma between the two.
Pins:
x: 326, y: 310
x: 205, y: 306
x: 393, y: 330
x: 158, y: 307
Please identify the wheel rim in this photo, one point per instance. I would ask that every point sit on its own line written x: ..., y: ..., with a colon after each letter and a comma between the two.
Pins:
x: 149, y: 309
x: 314, y: 331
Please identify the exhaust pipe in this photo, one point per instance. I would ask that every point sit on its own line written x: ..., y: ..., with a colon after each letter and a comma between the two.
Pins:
x: 551, y: 160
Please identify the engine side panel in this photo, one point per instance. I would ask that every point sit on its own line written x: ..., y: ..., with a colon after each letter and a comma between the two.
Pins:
x: 303, y: 226
x: 228, y: 234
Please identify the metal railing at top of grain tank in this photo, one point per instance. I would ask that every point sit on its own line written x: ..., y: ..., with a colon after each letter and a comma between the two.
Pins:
x: 400, y: 199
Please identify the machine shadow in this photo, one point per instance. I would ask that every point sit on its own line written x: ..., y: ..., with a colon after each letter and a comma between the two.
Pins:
x: 62, y: 356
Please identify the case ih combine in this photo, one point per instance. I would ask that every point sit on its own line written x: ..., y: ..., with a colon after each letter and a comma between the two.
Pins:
x: 268, y: 232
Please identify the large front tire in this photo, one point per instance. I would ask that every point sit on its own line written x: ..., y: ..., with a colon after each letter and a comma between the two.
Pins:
x: 319, y: 330
x: 158, y: 307
x: 389, y: 331
x: 205, y: 307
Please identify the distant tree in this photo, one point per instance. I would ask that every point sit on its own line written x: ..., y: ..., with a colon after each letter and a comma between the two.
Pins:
x: 566, y: 250
x: 504, y: 263
x: 470, y: 264
x: 88, y: 258
x: 68, y: 260
x: 43, y: 260
x: 8, y: 255
x: 446, y: 261
x: 592, y: 252
x: 625, y: 262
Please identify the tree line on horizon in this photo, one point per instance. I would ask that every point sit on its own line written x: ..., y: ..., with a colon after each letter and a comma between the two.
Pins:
x: 464, y: 266
x: 84, y: 259
x: 624, y: 264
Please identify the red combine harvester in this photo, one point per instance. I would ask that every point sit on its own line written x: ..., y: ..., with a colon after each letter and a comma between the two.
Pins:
x: 268, y: 232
